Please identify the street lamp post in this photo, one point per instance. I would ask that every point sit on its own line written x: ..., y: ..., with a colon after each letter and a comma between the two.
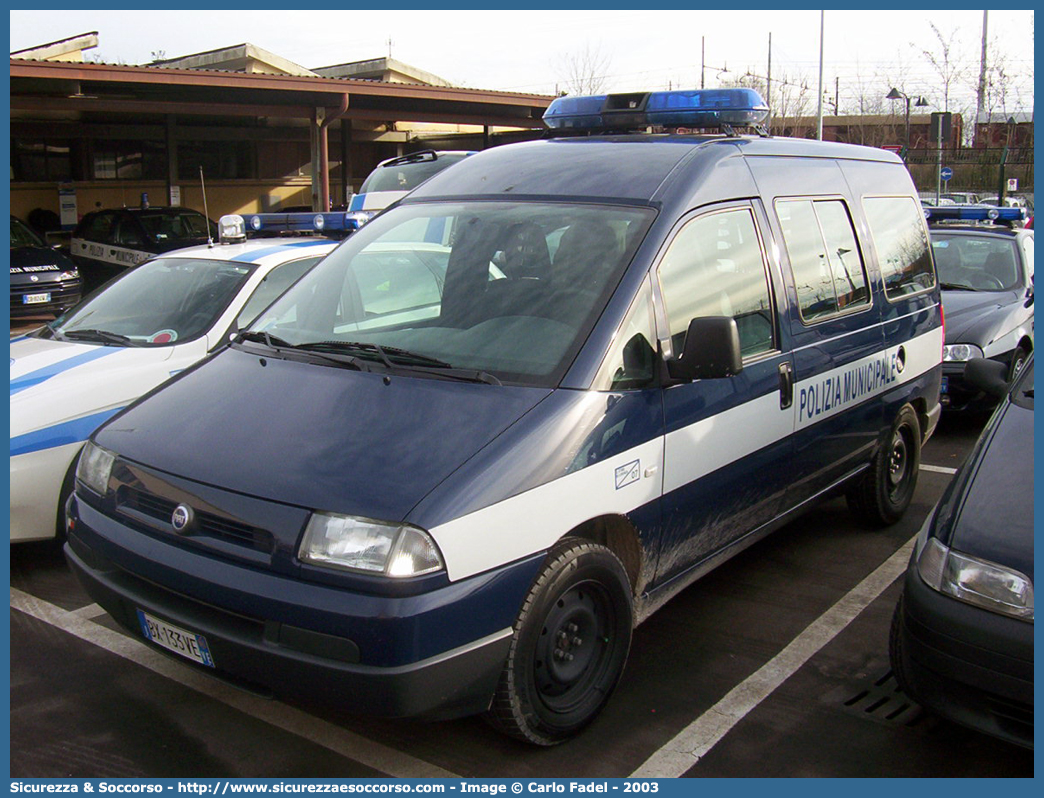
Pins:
x: 895, y: 94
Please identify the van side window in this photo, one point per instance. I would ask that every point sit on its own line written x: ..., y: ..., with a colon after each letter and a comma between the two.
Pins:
x: 715, y: 267
x: 828, y: 270
x: 899, y: 236
x: 631, y: 361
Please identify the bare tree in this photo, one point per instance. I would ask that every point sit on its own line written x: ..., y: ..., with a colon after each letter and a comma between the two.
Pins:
x: 946, y: 60
x: 584, y: 71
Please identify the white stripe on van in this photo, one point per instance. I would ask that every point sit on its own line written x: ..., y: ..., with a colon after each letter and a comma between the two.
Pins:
x: 532, y: 521
x: 108, y: 253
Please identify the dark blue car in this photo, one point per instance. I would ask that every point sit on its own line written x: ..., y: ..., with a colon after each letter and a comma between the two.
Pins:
x: 43, y: 280
x: 962, y: 634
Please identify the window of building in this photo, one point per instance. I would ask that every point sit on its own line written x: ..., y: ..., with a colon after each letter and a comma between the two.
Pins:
x: 115, y: 159
x: 40, y: 161
x: 221, y: 160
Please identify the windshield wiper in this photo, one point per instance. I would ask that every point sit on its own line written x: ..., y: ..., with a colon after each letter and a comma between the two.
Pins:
x: 955, y: 287
x: 395, y: 358
x: 279, y: 345
x: 101, y: 336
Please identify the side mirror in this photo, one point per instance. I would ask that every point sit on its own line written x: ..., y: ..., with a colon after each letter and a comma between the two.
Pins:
x: 1029, y: 294
x: 712, y: 351
x: 988, y: 376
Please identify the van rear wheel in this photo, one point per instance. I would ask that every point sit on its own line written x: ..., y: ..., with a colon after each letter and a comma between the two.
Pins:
x: 569, y: 647
x: 885, y: 490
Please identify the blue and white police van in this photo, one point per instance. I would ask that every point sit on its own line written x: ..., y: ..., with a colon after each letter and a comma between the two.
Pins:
x: 149, y: 323
x: 647, y: 351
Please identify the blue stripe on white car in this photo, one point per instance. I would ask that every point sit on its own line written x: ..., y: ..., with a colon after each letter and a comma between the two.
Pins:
x: 34, y: 378
x: 76, y: 430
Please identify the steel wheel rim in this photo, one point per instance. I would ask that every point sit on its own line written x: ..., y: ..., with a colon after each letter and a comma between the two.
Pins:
x: 573, y: 650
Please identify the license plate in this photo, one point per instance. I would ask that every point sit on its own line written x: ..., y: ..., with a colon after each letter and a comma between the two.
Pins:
x: 36, y: 299
x: 945, y: 384
x: 174, y: 638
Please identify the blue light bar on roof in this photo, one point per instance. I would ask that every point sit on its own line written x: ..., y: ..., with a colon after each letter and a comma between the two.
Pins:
x: 973, y: 213
x: 697, y: 108
x: 330, y: 223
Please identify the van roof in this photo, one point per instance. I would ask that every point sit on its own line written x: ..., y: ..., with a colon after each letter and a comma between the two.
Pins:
x: 628, y: 168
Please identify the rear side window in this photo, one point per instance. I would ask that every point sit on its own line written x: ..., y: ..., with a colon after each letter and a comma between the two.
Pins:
x: 901, y: 241
x: 99, y: 227
x: 828, y: 270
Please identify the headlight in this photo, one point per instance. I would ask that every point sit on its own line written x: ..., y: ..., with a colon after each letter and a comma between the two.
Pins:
x: 69, y: 275
x: 94, y: 468
x: 976, y: 581
x: 360, y: 544
x: 959, y: 353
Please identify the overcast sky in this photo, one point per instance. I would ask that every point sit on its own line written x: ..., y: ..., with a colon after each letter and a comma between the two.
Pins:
x: 865, y: 51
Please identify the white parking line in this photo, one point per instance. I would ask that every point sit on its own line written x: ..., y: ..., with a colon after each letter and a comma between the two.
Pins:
x: 680, y: 754
x: 938, y: 469
x: 352, y: 746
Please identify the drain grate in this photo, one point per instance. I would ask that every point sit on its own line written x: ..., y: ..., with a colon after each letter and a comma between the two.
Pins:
x: 880, y: 700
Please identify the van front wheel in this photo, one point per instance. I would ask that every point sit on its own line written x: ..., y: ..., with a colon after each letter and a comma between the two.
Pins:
x: 569, y: 647
x: 884, y: 492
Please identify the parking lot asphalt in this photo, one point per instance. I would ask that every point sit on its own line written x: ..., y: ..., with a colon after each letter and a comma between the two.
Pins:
x: 775, y: 664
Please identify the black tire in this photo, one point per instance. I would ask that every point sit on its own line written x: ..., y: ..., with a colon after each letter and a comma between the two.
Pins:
x: 884, y: 492
x: 1018, y: 360
x: 68, y: 484
x: 897, y: 650
x: 569, y: 647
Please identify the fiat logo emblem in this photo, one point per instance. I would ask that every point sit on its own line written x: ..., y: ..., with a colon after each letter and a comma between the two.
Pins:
x: 181, y: 518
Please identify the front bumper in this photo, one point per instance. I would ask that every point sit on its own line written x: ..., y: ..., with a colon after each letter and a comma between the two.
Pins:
x: 967, y: 664
x: 287, y: 645
x: 61, y: 297
x: 36, y: 483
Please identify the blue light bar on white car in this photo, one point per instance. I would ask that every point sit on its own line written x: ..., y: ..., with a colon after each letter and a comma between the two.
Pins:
x: 331, y: 223
x: 696, y: 108
x: 973, y: 213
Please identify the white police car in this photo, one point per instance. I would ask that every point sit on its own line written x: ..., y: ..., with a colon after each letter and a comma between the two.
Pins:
x: 408, y: 498
x: 121, y: 342
x: 394, y: 178
x: 985, y: 267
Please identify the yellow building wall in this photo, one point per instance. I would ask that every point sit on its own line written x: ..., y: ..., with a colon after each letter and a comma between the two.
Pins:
x: 239, y: 196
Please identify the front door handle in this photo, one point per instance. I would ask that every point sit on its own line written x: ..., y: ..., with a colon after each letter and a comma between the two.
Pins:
x: 786, y: 385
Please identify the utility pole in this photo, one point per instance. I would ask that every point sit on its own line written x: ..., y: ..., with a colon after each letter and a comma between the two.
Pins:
x: 819, y: 113
x: 703, y: 59
x: 768, y: 86
x: 980, y: 103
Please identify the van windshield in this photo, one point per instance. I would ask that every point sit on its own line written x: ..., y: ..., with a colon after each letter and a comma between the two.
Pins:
x: 407, y: 176
x: 508, y: 289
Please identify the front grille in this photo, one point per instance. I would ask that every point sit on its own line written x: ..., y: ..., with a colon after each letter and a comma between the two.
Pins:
x: 67, y: 293
x: 142, y: 503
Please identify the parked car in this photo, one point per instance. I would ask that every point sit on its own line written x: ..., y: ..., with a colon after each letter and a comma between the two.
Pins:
x: 961, y: 197
x: 416, y: 500
x: 961, y: 642
x: 107, y: 242
x: 149, y: 323
x: 986, y: 273
x: 43, y: 280
x: 394, y: 178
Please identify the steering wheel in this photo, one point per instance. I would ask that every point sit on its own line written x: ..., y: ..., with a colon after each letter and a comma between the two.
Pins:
x: 986, y: 282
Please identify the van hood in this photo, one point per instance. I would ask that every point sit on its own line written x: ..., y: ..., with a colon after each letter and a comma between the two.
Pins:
x: 321, y: 437
x: 972, y: 316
